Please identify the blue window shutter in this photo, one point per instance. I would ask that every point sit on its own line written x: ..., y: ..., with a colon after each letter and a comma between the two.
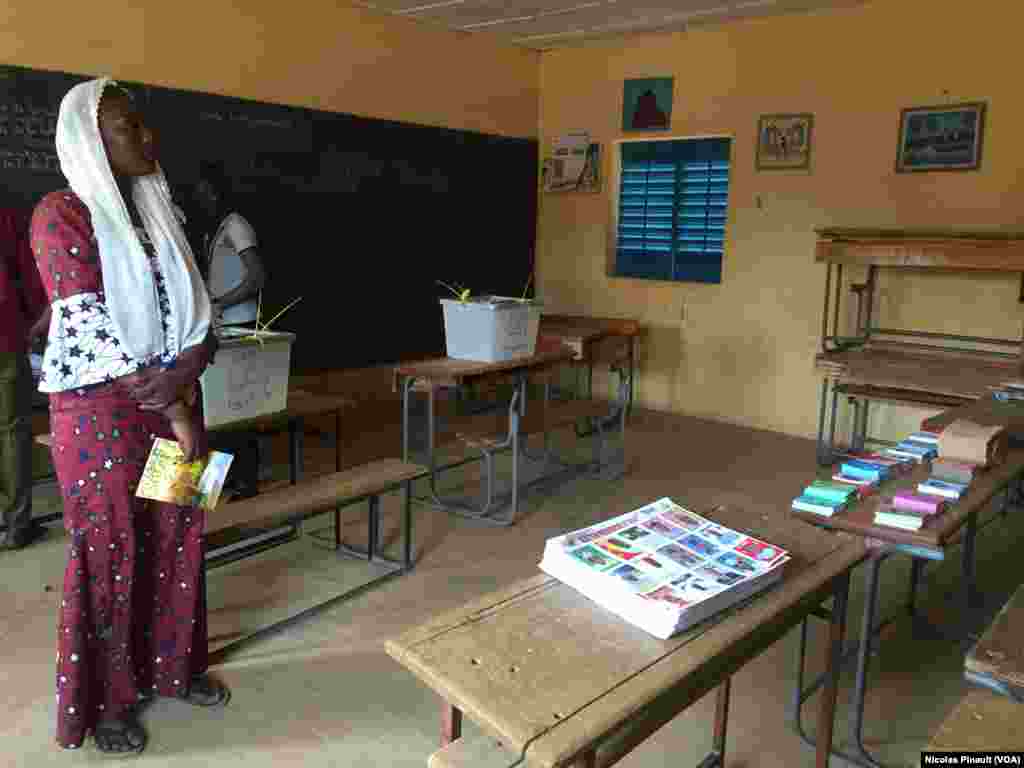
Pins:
x: 673, y: 207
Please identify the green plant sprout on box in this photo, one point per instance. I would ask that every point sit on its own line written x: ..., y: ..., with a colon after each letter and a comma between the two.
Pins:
x: 463, y: 294
x: 263, y: 329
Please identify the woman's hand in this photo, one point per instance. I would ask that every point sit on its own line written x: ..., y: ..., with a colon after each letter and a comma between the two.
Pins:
x: 179, y: 414
x: 156, y: 389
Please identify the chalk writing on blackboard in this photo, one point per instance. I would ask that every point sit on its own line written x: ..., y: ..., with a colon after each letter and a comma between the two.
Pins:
x: 241, y: 117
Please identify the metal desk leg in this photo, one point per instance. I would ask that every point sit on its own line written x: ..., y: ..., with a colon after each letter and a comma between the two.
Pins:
x: 373, y: 528
x: 862, y: 435
x: 822, y: 408
x: 836, y: 633
x: 863, y: 654
x: 337, y: 440
x: 974, y: 603
x: 855, y: 444
x: 632, y: 369
x: 407, y: 384
x: 407, y: 525
x: 832, y: 425
x: 717, y: 755
x: 296, y: 432
x: 916, y: 569
x: 830, y: 678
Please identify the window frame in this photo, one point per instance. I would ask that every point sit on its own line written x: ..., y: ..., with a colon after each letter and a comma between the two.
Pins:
x: 615, y: 191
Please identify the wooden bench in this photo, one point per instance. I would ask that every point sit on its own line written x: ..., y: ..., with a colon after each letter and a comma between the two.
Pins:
x: 996, y: 661
x: 332, y: 491
x: 321, y: 494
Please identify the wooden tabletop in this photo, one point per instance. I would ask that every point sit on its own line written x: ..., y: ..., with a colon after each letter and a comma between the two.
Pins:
x: 447, y: 369
x: 300, y: 404
x: 588, y: 328
x: 859, y: 518
x: 990, y: 250
x: 982, y: 721
x: 947, y: 373
x: 985, y: 411
x: 548, y: 672
x: 999, y: 654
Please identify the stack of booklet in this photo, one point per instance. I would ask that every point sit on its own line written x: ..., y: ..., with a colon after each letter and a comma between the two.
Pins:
x: 824, y: 497
x: 869, y: 468
x: 908, y: 510
x: 1008, y: 390
x: 663, y: 568
x: 920, y: 446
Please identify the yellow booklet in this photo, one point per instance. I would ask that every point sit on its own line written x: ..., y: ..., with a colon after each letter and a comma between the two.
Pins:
x: 167, y: 477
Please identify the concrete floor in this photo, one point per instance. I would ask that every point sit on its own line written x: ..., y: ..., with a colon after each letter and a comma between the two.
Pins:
x: 322, y: 692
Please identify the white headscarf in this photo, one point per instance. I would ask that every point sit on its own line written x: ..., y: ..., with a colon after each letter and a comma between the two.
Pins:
x: 128, y: 280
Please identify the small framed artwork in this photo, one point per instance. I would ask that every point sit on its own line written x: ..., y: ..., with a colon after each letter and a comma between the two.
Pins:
x: 647, y: 104
x: 784, y: 142
x: 944, y: 138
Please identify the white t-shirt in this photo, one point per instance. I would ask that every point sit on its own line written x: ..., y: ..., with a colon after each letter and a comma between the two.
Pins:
x: 227, y: 270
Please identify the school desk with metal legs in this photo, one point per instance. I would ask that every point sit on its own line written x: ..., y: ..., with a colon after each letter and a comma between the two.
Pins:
x: 434, y: 374
x: 511, y: 660
x: 596, y: 340
x: 932, y: 543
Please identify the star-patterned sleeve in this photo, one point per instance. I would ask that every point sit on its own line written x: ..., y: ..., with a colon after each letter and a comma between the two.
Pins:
x: 82, y: 348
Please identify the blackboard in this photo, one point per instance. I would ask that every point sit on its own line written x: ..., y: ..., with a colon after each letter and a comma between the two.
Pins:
x: 359, y: 217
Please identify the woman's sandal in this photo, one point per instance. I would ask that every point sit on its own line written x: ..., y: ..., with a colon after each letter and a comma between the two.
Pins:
x: 204, y: 691
x: 120, y: 738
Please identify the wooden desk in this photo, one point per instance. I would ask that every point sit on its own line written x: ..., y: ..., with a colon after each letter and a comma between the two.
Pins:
x: 981, y: 722
x: 930, y: 378
x: 431, y: 375
x: 996, y: 662
x: 552, y: 675
x: 915, y: 366
x: 929, y: 543
x: 596, y: 340
x: 933, y: 538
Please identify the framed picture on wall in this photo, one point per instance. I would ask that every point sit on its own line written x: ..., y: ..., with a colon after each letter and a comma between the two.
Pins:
x: 647, y: 104
x: 943, y: 138
x: 784, y: 142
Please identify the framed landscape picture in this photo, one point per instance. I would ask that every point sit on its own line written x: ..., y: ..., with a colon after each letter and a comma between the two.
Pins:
x: 945, y: 138
x: 784, y: 142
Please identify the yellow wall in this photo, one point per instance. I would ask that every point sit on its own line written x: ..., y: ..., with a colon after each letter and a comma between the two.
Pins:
x: 743, y: 350
x: 312, y: 53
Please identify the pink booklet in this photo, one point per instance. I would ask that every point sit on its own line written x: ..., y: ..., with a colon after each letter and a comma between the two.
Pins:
x: 917, y: 502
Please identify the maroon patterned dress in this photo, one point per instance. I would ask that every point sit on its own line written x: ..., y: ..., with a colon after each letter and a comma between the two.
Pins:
x: 133, y: 615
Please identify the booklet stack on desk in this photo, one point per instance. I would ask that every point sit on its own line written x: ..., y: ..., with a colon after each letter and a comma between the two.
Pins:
x: 920, y: 446
x: 909, y: 511
x: 662, y: 567
x: 1008, y: 391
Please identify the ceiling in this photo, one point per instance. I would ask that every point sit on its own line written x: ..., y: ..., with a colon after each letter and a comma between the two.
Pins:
x: 544, y: 24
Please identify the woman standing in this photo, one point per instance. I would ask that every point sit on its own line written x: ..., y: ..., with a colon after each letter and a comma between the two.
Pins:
x: 128, y: 339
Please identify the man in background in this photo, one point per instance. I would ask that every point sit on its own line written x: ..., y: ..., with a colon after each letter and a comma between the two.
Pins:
x: 230, y: 254
x: 22, y: 316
